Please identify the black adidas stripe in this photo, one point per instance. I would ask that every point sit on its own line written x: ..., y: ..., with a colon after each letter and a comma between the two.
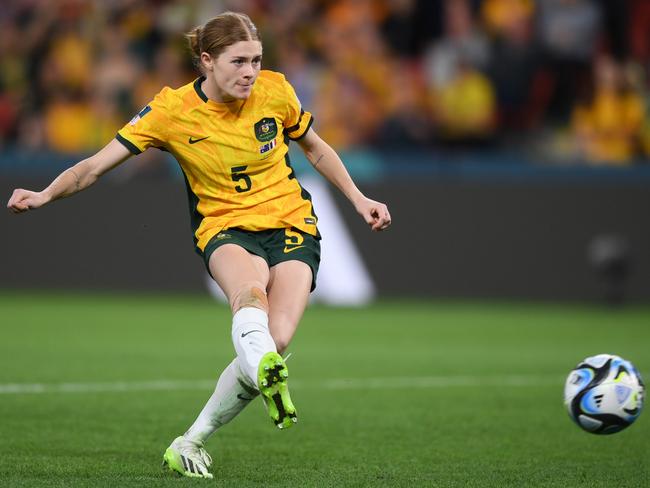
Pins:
x: 192, y: 468
x: 184, y: 461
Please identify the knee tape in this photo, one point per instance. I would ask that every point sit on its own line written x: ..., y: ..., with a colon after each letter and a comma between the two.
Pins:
x: 250, y: 295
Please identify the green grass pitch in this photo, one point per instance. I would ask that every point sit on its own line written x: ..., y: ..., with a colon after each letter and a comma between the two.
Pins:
x: 93, y: 388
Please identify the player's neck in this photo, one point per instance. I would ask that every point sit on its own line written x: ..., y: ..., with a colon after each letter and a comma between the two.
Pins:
x: 212, y: 91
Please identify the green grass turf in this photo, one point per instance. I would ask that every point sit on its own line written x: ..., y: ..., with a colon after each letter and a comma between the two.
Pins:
x: 475, y: 434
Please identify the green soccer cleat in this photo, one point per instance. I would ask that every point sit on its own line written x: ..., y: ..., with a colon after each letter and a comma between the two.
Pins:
x: 188, y: 458
x: 272, y: 375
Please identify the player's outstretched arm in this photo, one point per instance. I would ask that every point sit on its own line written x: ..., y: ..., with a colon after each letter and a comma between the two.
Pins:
x: 327, y: 162
x: 72, y: 180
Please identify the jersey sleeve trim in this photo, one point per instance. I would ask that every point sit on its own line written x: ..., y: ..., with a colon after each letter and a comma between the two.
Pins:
x: 297, y: 126
x: 127, y: 144
x: 300, y: 135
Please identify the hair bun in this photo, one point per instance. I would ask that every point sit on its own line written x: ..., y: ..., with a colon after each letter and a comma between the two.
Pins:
x: 194, y: 39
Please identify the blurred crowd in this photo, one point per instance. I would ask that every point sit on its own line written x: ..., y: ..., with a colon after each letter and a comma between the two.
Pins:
x: 564, y: 79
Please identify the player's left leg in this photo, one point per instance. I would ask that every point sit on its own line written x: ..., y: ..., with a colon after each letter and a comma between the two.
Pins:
x: 288, y: 293
x: 186, y: 454
x: 231, y: 395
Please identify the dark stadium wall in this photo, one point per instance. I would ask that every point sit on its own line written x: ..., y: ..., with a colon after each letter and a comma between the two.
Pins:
x: 510, y: 240
x: 115, y: 236
x: 449, y: 239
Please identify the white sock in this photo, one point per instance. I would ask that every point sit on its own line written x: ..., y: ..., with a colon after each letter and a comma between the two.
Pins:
x: 229, y: 398
x: 252, y: 339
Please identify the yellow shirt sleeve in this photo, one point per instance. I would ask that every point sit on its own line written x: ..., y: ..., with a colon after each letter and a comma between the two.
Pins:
x: 148, y: 128
x: 297, y: 122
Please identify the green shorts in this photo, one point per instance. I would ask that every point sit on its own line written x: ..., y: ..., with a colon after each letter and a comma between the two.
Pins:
x: 273, y: 245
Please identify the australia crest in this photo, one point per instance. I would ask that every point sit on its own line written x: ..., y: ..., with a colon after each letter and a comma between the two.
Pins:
x: 266, y: 129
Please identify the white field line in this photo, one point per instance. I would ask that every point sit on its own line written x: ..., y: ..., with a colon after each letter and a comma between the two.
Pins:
x: 415, y: 382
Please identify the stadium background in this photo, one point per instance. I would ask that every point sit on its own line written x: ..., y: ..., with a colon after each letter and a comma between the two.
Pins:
x: 510, y: 139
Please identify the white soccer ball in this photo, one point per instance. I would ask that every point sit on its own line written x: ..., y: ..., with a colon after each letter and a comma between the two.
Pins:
x: 604, y: 394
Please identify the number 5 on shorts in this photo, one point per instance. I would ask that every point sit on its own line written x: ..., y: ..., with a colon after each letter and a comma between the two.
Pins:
x: 292, y: 240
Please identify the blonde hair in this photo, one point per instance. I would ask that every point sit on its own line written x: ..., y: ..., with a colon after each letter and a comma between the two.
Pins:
x: 220, y: 32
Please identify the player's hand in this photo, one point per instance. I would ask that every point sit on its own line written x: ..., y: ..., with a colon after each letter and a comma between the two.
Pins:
x: 374, y: 213
x: 23, y: 200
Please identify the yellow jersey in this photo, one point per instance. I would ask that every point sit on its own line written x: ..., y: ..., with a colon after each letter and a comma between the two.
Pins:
x: 234, y: 155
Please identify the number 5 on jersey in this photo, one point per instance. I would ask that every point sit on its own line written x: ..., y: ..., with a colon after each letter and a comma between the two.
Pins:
x: 242, y: 179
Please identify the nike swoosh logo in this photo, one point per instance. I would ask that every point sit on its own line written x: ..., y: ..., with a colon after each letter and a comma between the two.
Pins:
x: 244, y: 334
x: 242, y: 397
x: 287, y: 250
x: 194, y: 141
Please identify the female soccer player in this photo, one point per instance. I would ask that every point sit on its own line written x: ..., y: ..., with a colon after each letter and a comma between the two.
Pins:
x: 253, y: 224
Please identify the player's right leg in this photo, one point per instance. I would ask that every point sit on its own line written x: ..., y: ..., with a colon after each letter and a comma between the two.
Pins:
x: 243, y: 277
x: 255, y: 346
x: 272, y: 379
x: 251, y: 336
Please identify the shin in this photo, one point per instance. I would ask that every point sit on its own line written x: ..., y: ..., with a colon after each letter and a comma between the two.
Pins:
x: 230, y: 397
x: 250, y: 329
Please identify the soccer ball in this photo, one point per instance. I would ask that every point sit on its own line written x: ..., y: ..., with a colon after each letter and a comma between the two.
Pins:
x: 604, y: 394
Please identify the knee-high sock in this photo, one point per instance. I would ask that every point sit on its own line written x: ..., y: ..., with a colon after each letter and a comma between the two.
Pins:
x: 252, y: 339
x: 230, y: 397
